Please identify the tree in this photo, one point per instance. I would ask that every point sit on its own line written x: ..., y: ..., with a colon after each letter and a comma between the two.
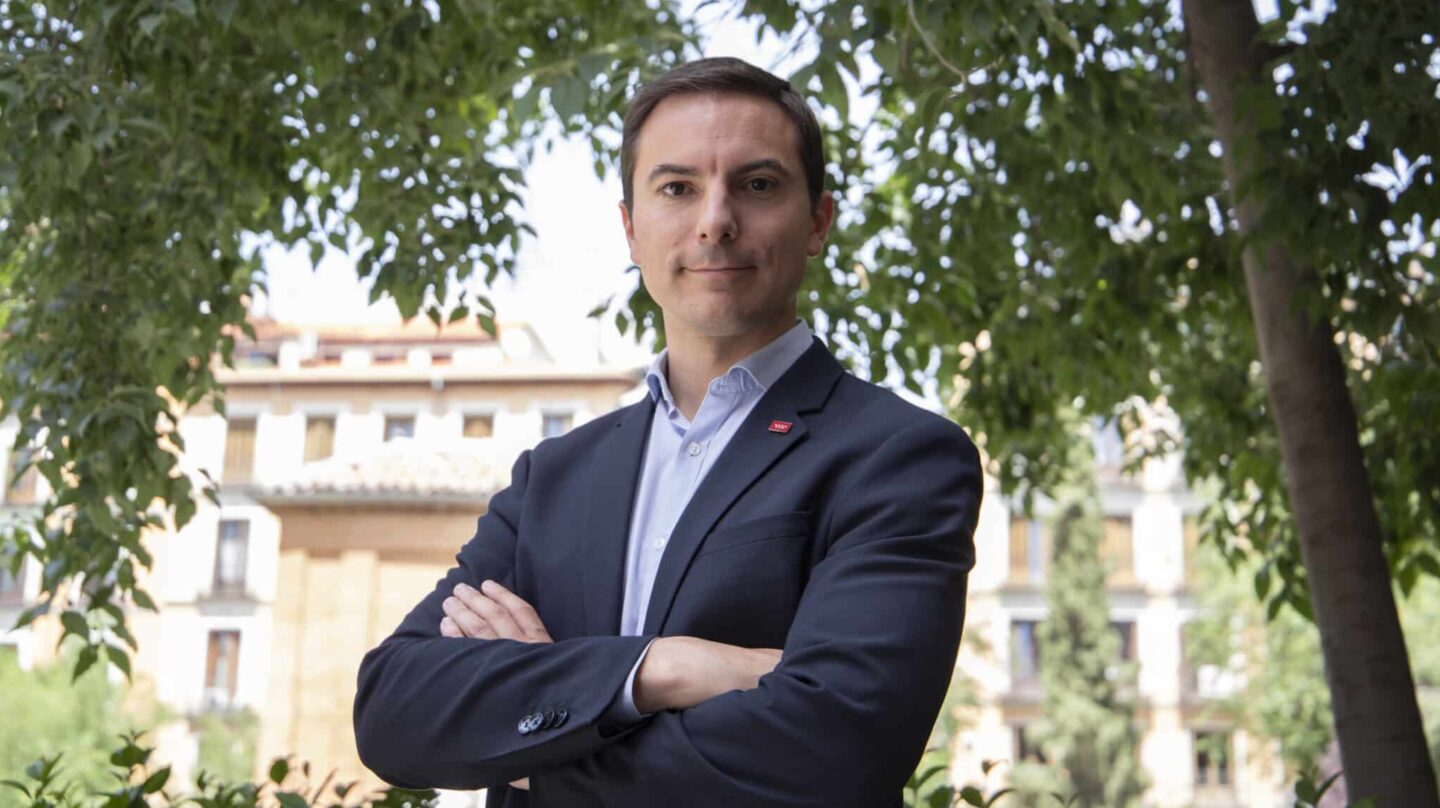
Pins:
x: 141, y: 144
x: 1053, y: 205
x: 1280, y: 694
x: 46, y: 713
x: 1273, y: 664
x: 1088, y: 730
x: 1105, y: 204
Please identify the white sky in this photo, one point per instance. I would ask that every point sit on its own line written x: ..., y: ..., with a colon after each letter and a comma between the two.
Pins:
x: 576, y: 261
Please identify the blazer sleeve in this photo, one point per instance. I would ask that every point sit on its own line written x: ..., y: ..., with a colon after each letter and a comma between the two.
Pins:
x: 443, y: 712
x: 844, y: 717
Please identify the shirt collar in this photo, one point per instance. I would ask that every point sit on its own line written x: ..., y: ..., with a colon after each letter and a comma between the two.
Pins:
x: 763, y: 367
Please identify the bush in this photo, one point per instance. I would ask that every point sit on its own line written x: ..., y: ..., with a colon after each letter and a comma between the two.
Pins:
x: 134, y: 785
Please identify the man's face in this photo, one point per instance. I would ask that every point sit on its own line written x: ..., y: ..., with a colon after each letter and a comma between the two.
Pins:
x: 721, y: 224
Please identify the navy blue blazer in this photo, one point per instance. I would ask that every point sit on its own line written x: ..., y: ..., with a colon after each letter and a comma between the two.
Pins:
x: 846, y: 541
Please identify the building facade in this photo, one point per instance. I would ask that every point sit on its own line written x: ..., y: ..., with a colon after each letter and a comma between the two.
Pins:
x: 351, y: 465
x: 1190, y: 752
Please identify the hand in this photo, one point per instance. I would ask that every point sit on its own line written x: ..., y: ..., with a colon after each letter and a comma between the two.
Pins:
x: 681, y: 672
x: 491, y: 612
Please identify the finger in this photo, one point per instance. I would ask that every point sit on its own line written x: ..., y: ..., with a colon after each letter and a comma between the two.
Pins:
x: 469, y: 623
x: 524, y: 783
x: 497, y: 616
x: 449, y: 629
x: 523, y: 613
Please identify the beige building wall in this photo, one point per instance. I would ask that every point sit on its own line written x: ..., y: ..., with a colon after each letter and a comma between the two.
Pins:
x: 1157, y: 601
x: 335, y: 551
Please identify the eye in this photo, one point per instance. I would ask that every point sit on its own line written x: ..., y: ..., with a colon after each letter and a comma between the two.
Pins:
x: 760, y: 184
x: 674, y: 188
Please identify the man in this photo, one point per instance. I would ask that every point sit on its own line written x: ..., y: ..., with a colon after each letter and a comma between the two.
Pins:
x: 746, y: 589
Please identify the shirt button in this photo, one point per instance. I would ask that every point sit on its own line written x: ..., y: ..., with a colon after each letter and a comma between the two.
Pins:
x: 693, y: 449
x: 659, y: 543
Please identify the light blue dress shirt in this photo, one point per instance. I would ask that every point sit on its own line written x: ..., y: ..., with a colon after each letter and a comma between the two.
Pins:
x: 679, y: 454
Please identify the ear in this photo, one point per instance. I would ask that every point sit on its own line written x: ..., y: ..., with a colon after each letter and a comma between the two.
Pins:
x: 820, y: 222
x: 629, y: 226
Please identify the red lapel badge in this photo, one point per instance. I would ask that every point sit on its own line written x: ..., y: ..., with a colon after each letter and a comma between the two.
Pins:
x: 780, y: 426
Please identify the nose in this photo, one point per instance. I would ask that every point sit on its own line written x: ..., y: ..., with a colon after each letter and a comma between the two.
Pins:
x: 717, y: 223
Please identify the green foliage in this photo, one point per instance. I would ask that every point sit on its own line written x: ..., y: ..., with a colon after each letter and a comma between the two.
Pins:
x: 141, y: 144
x: 1034, y: 219
x: 47, y: 714
x: 227, y: 742
x: 1088, y: 731
x: 1284, y: 698
x: 1419, y: 613
x: 134, y: 784
x: 930, y: 787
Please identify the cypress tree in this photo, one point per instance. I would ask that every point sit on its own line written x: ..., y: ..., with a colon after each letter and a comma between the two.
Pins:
x: 1088, y: 731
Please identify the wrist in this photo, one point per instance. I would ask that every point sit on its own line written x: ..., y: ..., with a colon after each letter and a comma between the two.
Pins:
x: 656, y: 679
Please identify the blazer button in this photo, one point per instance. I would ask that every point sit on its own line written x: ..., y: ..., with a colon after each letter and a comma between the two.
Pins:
x: 549, y: 720
x: 560, y: 716
x: 529, y: 724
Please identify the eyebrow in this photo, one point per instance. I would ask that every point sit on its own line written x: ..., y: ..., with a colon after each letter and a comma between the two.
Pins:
x: 769, y: 163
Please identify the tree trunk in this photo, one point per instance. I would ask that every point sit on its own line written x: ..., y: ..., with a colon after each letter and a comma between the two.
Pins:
x: 1377, y: 720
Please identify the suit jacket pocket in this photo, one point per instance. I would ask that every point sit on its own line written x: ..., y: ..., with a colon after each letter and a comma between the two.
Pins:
x: 791, y: 524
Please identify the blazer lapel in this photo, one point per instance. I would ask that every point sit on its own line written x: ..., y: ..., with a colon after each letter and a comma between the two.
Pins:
x: 616, y: 473
x: 753, y: 450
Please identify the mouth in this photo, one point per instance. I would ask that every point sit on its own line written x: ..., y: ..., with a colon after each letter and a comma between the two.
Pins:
x: 719, y: 269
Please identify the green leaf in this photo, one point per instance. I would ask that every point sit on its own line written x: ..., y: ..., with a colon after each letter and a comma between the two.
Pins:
x: 119, y: 658
x: 290, y: 799
x: 131, y: 754
x: 156, y: 781
x: 279, y: 770
x: 88, y: 656
x: 568, y: 97
x: 75, y: 623
x: 971, y: 795
x: 28, y: 615
x: 142, y: 599
x: 1262, y: 582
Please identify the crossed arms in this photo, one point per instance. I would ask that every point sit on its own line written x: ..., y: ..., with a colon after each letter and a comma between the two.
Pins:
x: 677, y: 673
x: 840, y: 720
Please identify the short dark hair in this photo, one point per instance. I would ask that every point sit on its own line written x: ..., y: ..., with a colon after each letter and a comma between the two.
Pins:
x: 725, y: 75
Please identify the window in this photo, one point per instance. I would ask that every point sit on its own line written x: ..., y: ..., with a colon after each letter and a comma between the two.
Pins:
x: 1118, y: 550
x: 239, y: 451
x: 319, y: 437
x: 1212, y: 759
x: 1125, y: 630
x: 1027, y: 749
x: 231, y: 550
x: 399, y: 426
x: 479, y: 426
x: 222, y: 666
x: 554, y: 424
x: 1029, y: 550
x: 1024, y: 654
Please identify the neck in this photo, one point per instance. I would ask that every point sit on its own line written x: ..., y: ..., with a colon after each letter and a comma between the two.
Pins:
x: 695, y: 360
